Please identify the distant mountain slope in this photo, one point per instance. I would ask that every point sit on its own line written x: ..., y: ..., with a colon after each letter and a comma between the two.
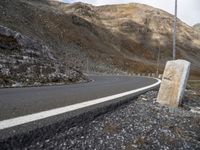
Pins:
x: 113, y: 38
x: 197, y: 26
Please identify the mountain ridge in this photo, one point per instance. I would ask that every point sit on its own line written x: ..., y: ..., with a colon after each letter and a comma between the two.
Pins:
x: 114, y: 39
x: 197, y: 27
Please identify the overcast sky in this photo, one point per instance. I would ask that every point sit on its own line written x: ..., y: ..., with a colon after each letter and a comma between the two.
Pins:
x: 188, y: 10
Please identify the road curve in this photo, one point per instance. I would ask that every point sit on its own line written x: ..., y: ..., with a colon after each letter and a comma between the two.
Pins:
x: 17, y: 102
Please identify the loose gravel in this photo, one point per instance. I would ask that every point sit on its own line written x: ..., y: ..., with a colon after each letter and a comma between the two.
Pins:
x: 140, y: 124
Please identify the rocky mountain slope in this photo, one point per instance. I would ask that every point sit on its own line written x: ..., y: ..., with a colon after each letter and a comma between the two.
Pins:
x: 25, y: 62
x: 197, y: 26
x: 113, y: 38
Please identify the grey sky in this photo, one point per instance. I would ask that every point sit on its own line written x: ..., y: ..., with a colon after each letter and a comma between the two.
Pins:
x: 188, y: 10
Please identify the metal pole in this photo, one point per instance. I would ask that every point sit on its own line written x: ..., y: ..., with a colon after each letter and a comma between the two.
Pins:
x: 174, y: 34
x: 158, y: 61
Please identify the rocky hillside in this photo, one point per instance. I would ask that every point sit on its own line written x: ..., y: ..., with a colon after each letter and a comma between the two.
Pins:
x: 113, y: 38
x: 197, y: 26
x: 26, y: 62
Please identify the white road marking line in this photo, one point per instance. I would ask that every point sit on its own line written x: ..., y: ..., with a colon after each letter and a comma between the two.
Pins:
x: 53, y: 112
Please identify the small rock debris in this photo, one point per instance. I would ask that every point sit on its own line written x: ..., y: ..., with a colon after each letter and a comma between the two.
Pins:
x: 140, y: 124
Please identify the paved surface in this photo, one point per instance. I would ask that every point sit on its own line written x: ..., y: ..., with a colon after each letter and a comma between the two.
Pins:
x: 141, y: 124
x: 15, y: 102
x: 19, y: 105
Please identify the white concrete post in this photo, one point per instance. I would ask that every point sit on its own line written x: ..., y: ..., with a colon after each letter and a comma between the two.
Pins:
x: 174, y: 82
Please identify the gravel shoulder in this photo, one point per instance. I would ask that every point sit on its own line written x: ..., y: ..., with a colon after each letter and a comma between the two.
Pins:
x: 140, y: 124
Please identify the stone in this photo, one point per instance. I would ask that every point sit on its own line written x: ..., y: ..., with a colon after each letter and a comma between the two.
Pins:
x: 26, y: 60
x: 174, y: 82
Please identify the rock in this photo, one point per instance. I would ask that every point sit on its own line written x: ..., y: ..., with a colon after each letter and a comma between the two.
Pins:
x: 17, y: 84
x: 102, y: 36
x: 195, y: 110
x: 30, y: 62
x: 174, y: 82
x: 144, y: 99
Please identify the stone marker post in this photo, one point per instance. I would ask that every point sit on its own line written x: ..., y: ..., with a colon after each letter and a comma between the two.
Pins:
x: 174, y: 82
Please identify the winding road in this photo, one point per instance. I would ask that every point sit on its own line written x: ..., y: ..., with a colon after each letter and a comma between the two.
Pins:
x: 19, y: 106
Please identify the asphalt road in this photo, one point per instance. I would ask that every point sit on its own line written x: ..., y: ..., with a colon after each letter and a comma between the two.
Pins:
x: 16, y: 102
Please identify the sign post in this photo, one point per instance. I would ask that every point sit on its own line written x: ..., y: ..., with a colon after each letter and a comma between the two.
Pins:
x: 174, y: 33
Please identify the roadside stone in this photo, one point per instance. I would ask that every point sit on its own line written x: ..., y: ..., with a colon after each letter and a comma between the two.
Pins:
x: 174, y: 82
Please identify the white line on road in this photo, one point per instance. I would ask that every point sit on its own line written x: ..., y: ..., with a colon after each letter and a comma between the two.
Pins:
x: 53, y: 112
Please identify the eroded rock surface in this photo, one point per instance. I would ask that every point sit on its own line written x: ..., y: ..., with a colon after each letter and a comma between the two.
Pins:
x: 25, y: 62
x: 115, y: 38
